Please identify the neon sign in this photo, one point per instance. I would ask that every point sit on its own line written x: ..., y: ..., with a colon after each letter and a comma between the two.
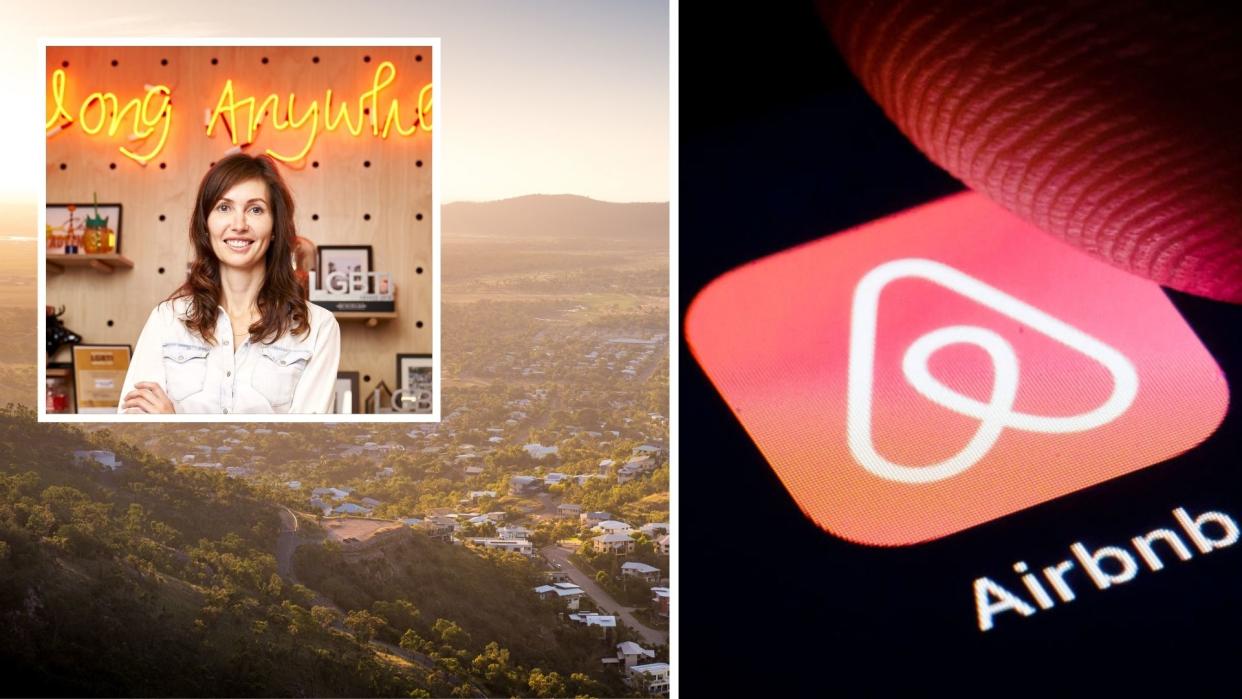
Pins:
x: 385, y: 74
x: 93, y: 114
x: 107, y: 103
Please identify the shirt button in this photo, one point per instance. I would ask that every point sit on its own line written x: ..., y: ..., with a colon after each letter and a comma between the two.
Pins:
x: 226, y: 411
x: 180, y: 357
x: 226, y: 343
x: 228, y: 373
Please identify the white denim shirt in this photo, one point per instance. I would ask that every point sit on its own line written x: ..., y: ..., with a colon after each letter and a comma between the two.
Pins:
x: 291, y: 375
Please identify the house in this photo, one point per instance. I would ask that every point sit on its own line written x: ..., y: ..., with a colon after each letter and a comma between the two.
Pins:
x: 593, y: 518
x: 654, y: 529
x: 538, y: 451
x: 629, y: 653
x: 187, y: 459
x: 525, y: 485
x: 612, y: 526
x: 605, y: 466
x: 606, y: 621
x: 238, y: 472
x: 627, y: 473
x: 370, y: 503
x: 473, y: 470
x: 320, y: 505
x: 566, y: 592
x: 223, y: 449
x: 334, y: 493
x: 554, y: 478
x: 521, y: 546
x: 662, y: 544
x: 350, y: 508
x: 555, y: 576
x: 642, y: 571
x: 651, y: 678
x: 568, y: 510
x: 476, y: 494
x: 647, y: 449
x: 660, y: 600
x: 582, y: 479
x: 104, y: 458
x: 616, y: 543
x: 513, y: 533
x: 384, y: 472
x: 439, y: 528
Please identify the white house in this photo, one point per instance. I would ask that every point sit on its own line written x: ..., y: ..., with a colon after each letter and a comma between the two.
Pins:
x: 104, y: 458
x: 605, y: 466
x: 521, y: 546
x: 607, y: 621
x: 554, y: 478
x: 370, y: 502
x: 662, y: 544
x: 350, y: 508
x: 524, y: 485
x: 652, y: 678
x: 642, y: 571
x: 513, y: 533
x: 568, y: 510
x: 616, y: 543
x: 629, y: 653
x: 566, y: 592
x: 612, y: 526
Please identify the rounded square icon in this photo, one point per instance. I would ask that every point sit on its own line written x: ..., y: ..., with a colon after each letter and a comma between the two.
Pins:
x: 937, y: 369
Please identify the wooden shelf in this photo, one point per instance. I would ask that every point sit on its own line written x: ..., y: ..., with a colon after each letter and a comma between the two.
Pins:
x: 106, y: 262
x: 372, y: 319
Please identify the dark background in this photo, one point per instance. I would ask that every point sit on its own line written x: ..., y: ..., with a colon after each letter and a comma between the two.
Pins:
x: 780, y: 145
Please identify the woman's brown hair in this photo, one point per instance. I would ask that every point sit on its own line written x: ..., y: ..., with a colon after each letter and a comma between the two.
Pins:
x: 281, y: 301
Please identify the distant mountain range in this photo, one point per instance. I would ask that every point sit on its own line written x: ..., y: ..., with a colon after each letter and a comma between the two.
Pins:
x: 558, y: 216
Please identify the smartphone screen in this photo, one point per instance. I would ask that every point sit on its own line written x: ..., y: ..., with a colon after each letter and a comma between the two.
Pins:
x: 925, y: 444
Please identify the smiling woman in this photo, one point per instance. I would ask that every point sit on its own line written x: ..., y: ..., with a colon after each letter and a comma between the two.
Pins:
x: 238, y: 336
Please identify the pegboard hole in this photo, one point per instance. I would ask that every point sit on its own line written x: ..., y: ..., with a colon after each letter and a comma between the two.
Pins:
x: 419, y: 324
x: 160, y: 270
x: 215, y: 61
x: 64, y: 166
x: 418, y: 58
x: 418, y: 163
x: 366, y: 163
x: 366, y: 217
x: 418, y: 217
x: 265, y: 60
x: 366, y: 59
x: 163, y: 165
x: 314, y: 163
x: 314, y: 217
x: 418, y: 270
x: 163, y: 61
x: 110, y: 323
x: 114, y: 63
x: 161, y: 217
x: 315, y: 59
x: 111, y: 166
x: 367, y: 378
x: 64, y: 64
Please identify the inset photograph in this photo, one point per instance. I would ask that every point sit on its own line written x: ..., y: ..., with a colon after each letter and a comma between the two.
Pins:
x: 239, y: 230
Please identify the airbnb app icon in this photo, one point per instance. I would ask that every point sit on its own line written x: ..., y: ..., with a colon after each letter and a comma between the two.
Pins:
x: 947, y: 366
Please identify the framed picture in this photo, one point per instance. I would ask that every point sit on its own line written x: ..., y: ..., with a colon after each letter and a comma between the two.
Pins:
x: 345, y: 259
x: 98, y: 375
x: 415, y: 380
x: 66, y: 223
x: 346, y: 391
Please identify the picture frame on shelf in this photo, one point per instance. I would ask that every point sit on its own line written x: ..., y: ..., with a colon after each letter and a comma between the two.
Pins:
x: 67, y: 223
x: 416, y: 382
x: 343, y: 258
x: 347, y: 392
x: 98, y: 375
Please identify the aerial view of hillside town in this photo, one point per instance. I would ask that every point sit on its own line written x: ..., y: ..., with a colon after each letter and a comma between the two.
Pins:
x: 518, y: 547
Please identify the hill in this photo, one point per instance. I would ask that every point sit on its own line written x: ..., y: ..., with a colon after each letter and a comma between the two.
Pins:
x: 558, y: 216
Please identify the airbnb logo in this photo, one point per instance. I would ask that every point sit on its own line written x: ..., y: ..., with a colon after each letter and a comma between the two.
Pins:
x: 943, y: 367
x: 993, y: 416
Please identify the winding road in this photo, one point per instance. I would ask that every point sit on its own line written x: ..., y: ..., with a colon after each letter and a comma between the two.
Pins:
x: 603, y: 600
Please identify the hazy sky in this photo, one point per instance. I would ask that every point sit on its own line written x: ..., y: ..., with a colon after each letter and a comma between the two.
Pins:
x: 566, y: 97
